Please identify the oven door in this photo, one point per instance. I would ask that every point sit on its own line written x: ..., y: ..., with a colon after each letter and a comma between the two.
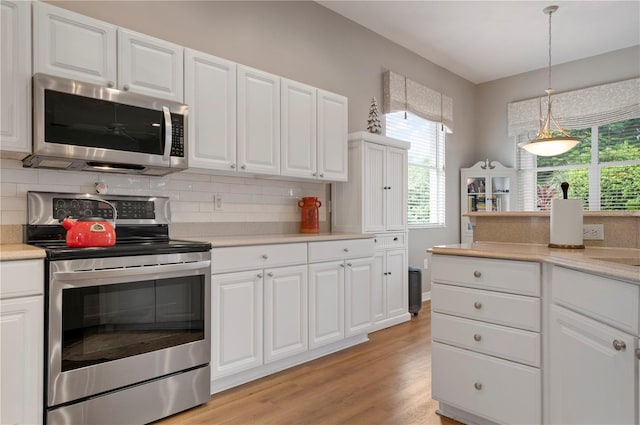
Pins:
x: 120, y: 321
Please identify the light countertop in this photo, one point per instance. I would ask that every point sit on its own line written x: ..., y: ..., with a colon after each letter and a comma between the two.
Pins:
x: 244, y: 240
x: 618, y: 263
x: 19, y: 251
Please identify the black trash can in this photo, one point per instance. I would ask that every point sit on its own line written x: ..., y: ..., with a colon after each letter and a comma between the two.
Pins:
x: 415, y: 289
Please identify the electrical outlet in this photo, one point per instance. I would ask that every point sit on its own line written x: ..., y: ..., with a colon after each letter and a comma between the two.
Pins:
x: 593, y: 232
x: 217, y: 203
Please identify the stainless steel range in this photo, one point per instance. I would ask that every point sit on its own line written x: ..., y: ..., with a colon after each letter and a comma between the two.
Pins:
x: 127, y: 335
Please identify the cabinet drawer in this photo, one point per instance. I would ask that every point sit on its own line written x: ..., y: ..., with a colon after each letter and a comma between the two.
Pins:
x: 397, y: 240
x: 517, y: 277
x: 500, y: 341
x: 20, y: 278
x: 498, y: 390
x: 493, y: 307
x: 607, y: 300
x: 340, y: 250
x: 240, y: 258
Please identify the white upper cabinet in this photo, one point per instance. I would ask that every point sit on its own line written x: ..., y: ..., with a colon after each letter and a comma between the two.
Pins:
x: 332, y: 136
x: 298, y: 141
x: 71, y: 45
x: 374, y: 192
x: 74, y: 46
x: 210, y: 92
x: 15, y: 71
x: 258, y: 122
x: 150, y: 66
x: 396, y: 189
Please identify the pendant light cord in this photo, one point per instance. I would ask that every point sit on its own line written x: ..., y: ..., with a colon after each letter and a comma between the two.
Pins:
x: 550, y: 13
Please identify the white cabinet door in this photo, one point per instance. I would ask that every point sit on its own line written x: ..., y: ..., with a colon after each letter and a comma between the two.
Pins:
x: 210, y: 92
x: 298, y: 142
x: 396, y: 281
x: 258, y: 121
x: 395, y: 199
x: 374, y: 190
x: 590, y: 381
x: 332, y: 136
x: 74, y: 46
x: 150, y: 66
x: 326, y: 303
x: 237, y: 322
x: 15, y: 74
x: 285, y: 312
x: 21, y: 327
x: 358, y: 296
x: 378, y: 287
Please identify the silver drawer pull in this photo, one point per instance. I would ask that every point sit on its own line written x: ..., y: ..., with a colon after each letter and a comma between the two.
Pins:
x: 349, y: 264
x: 619, y: 345
x: 477, y: 337
x: 346, y: 250
x: 477, y: 274
x: 270, y: 274
x: 260, y: 275
x: 638, y: 353
x: 477, y: 386
x: 342, y: 265
x: 477, y: 305
x: 265, y: 257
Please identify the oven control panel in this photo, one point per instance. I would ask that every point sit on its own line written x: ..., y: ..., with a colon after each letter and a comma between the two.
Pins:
x: 83, y: 208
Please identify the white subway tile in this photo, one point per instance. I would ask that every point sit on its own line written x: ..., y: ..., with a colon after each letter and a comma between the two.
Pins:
x: 196, y: 196
x: 8, y: 189
x: 13, y: 217
x: 18, y: 175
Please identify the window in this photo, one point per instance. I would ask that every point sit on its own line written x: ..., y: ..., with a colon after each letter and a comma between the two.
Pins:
x: 426, y: 179
x: 603, y: 170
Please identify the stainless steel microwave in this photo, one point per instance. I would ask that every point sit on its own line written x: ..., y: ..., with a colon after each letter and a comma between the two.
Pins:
x: 82, y: 126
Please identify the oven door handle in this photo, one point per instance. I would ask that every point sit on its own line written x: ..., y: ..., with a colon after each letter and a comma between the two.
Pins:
x: 131, y: 271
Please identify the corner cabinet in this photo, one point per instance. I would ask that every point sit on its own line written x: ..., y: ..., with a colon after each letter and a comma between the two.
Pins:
x: 374, y: 200
x: 15, y: 71
x: 488, y: 186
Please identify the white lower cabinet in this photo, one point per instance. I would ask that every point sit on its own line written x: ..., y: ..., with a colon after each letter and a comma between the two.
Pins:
x: 358, y: 296
x: 390, y: 300
x: 21, y: 351
x: 326, y: 303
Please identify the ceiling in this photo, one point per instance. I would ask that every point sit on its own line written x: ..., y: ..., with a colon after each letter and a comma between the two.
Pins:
x: 486, y: 40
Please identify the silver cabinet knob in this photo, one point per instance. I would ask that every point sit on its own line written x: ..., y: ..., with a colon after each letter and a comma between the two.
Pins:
x: 638, y: 353
x: 342, y: 265
x: 270, y: 274
x: 477, y: 337
x: 233, y: 165
x: 477, y: 274
x: 265, y: 257
x: 395, y: 239
x: 619, y: 345
x: 349, y: 264
x: 321, y: 175
x: 111, y: 84
x: 125, y: 87
x: 260, y: 275
x: 477, y: 305
x: 346, y: 250
x: 477, y: 386
x: 314, y: 174
x: 243, y: 166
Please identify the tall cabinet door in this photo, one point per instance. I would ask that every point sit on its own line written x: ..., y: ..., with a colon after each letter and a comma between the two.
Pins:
x: 74, y: 46
x: 358, y: 296
x: 21, y: 354
x: 332, y: 136
x: 15, y: 71
x: 298, y: 142
x: 237, y: 322
x: 285, y: 312
x: 396, y: 192
x: 150, y: 66
x: 586, y: 369
x: 210, y: 92
x: 378, y: 287
x: 396, y: 282
x: 374, y: 190
x: 326, y: 303
x: 258, y: 121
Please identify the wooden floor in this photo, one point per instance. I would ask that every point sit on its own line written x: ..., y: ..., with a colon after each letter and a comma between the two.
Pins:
x: 384, y: 381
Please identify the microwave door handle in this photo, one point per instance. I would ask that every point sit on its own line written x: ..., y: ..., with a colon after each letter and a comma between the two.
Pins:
x: 167, y: 133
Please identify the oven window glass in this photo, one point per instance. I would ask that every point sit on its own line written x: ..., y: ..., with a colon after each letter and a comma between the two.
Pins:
x: 82, y: 121
x: 110, y: 322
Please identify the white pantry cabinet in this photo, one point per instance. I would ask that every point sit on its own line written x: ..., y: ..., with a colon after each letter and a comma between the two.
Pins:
x: 71, y: 45
x: 210, y: 92
x: 258, y: 122
x: 22, y: 349
x: 15, y: 74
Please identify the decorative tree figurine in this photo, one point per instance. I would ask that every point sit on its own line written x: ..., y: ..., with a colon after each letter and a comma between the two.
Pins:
x: 373, y: 123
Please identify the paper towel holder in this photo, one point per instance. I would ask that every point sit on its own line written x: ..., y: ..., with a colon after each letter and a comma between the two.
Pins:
x: 565, y: 190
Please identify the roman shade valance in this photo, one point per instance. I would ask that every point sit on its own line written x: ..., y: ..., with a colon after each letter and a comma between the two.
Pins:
x: 403, y: 94
x: 593, y: 106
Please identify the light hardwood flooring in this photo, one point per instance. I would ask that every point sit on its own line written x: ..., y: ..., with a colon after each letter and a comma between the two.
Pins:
x: 384, y: 381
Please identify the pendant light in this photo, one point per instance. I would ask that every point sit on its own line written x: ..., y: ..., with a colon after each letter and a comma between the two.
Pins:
x: 550, y: 141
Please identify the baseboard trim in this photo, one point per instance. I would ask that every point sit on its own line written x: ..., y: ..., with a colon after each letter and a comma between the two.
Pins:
x: 426, y: 296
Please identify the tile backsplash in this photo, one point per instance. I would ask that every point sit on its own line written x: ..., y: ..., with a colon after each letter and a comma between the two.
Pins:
x: 243, y: 199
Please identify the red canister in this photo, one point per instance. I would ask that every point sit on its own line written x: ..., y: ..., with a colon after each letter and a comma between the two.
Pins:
x: 309, y: 215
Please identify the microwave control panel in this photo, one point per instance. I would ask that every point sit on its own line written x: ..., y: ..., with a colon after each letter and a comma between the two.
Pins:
x: 177, y: 135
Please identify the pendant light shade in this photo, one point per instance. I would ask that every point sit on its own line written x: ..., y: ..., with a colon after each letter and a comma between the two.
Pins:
x: 551, y: 138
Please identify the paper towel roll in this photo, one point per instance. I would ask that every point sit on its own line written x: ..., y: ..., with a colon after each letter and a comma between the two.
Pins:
x: 566, y: 223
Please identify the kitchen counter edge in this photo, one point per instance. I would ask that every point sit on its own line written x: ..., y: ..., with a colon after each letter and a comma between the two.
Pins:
x: 247, y: 240
x: 19, y: 251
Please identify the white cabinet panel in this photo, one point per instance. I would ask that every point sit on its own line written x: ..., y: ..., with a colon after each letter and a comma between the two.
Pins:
x: 332, y: 136
x: 238, y: 258
x: 397, y: 282
x: 150, y: 66
x: 258, y: 121
x: 298, y: 130
x: 237, y: 322
x: 358, y: 292
x: 378, y: 287
x: 326, y: 303
x: 374, y: 191
x: 21, y: 278
x: 396, y: 189
x: 210, y: 92
x: 15, y: 74
x: 74, y: 46
x: 340, y: 250
x: 285, y: 309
